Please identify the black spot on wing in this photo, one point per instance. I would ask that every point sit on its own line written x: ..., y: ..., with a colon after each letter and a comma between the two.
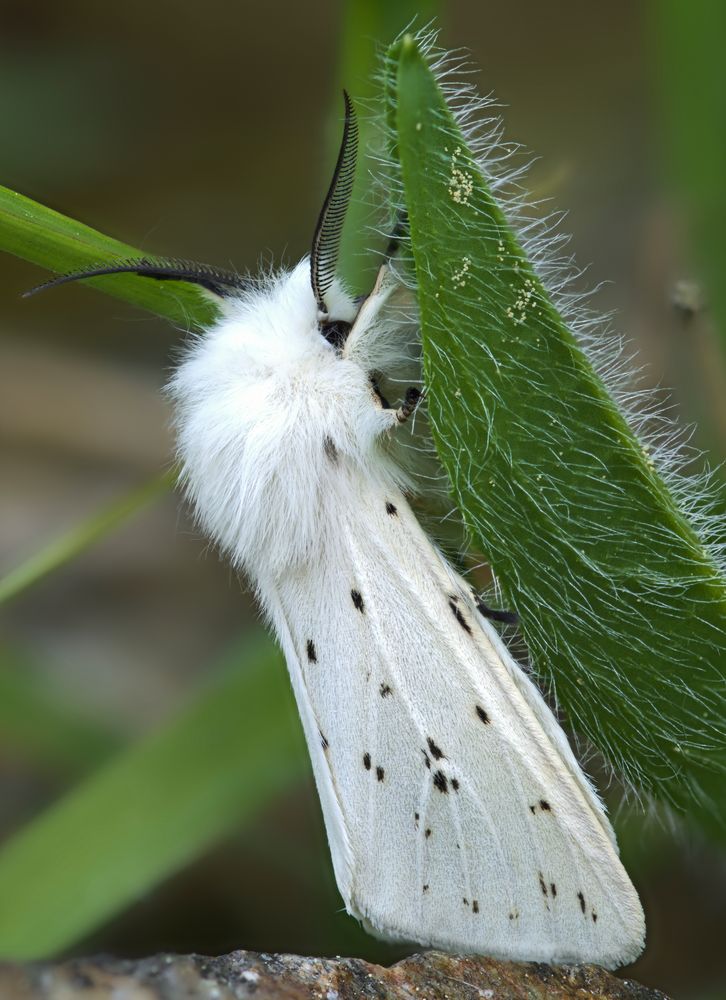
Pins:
x: 426, y: 888
x: 391, y: 509
x: 428, y: 832
x: 594, y: 917
x: 427, y: 759
x: 436, y: 753
x: 385, y: 690
x: 330, y: 450
x: 475, y: 905
x: 367, y: 761
x: 552, y: 891
x: 582, y: 901
x: 440, y: 782
x: 455, y: 784
x: 456, y: 612
x: 357, y: 599
x: 543, y: 805
x: 312, y: 654
x: 380, y: 773
x: 483, y: 716
x: 323, y: 742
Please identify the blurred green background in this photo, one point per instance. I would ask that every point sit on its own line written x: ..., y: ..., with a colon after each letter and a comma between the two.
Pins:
x: 207, y: 133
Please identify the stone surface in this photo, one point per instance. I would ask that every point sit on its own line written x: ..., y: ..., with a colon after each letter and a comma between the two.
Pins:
x: 244, y: 975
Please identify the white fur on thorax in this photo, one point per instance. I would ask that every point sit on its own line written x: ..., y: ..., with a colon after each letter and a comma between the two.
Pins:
x: 263, y: 401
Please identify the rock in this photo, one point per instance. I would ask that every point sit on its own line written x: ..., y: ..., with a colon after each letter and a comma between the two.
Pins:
x: 246, y: 975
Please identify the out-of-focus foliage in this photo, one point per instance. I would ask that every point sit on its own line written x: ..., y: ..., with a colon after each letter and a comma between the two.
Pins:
x: 154, y: 808
x: 80, y: 538
x: 35, y: 722
x: 690, y: 40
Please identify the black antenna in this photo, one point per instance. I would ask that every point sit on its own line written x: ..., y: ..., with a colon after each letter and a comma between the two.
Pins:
x: 213, y: 279
x: 326, y: 241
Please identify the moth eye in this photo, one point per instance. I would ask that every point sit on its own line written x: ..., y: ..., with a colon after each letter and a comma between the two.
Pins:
x: 335, y: 332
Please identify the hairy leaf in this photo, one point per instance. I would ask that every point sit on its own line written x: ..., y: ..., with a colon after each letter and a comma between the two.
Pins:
x: 621, y: 601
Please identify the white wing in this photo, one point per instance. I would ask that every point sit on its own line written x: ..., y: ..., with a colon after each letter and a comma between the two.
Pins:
x: 456, y: 812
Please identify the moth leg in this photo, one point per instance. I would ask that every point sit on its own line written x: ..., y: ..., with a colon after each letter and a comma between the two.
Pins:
x: 495, y: 615
x: 410, y: 401
x: 399, y: 231
x: 374, y: 379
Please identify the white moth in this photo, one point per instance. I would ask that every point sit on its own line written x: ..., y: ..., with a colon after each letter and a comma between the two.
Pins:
x: 457, y: 814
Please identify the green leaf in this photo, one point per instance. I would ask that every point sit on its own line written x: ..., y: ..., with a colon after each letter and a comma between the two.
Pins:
x: 70, y: 545
x: 153, y: 809
x: 622, y: 606
x: 47, y: 238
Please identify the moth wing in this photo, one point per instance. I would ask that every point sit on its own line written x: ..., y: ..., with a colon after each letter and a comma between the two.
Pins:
x: 310, y: 709
x: 456, y: 812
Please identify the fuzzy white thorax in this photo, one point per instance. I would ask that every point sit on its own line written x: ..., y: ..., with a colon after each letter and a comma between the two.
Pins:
x: 264, y: 404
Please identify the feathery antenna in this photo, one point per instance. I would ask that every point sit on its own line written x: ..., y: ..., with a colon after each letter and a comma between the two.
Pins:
x: 213, y: 279
x: 326, y: 241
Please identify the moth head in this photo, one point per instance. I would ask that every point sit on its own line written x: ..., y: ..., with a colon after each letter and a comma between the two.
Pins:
x: 326, y: 239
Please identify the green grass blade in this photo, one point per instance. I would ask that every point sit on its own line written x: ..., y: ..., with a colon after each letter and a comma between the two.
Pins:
x: 152, y: 809
x: 621, y: 605
x: 64, y: 549
x: 47, y: 238
x: 365, y: 24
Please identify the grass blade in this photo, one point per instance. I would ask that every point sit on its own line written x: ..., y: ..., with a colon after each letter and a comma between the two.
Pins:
x: 621, y: 603
x: 64, y: 549
x: 365, y: 23
x: 152, y: 809
x: 60, y: 244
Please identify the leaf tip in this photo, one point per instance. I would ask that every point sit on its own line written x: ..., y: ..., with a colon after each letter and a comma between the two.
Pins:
x: 408, y: 45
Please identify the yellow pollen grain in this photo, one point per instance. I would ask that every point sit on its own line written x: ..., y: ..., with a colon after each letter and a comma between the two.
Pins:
x: 461, y: 183
x: 459, y: 276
